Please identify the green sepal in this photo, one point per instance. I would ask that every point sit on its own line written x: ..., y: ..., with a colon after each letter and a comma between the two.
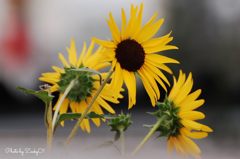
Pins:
x: 43, y: 95
x: 89, y: 70
x: 117, y: 136
x: 171, y: 124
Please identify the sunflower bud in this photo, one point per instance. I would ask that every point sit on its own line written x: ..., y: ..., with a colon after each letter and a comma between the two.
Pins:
x: 170, y: 126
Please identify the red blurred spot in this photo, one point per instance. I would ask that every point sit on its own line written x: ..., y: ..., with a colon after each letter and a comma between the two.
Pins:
x: 15, y: 44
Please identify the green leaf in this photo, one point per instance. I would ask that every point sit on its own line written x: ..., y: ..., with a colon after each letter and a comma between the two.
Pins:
x: 43, y: 95
x: 89, y: 70
x: 117, y: 136
x: 66, y: 116
x: 74, y: 116
x: 100, y: 146
x: 40, y: 94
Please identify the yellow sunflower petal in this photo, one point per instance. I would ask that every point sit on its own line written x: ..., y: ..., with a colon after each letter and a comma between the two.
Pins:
x: 72, y: 53
x: 127, y: 76
x: 206, y: 128
x: 159, y: 58
x: 49, y: 80
x: 177, y: 87
x: 109, y: 98
x: 151, y: 81
x: 161, y: 66
x: 80, y: 109
x: 51, y: 75
x: 191, y: 115
x: 118, y: 81
x: 158, y: 49
x: 101, y: 66
x: 144, y: 28
x: 106, y: 44
x: 98, y: 109
x: 55, y: 106
x: 161, y: 46
x: 89, y: 52
x: 192, y: 105
x: 194, y: 135
x: 157, y: 71
x: 61, y: 57
x: 189, y: 147
x: 54, y: 88
x: 82, y: 54
x: 148, y: 88
x: 96, y: 76
x: 96, y: 121
x: 184, y: 90
x: 148, y: 32
x: 138, y: 22
x: 191, y: 144
x: 114, y: 29
x: 113, y: 64
x: 124, y: 22
x: 170, y: 147
x: 191, y: 97
x: 63, y: 108
x: 191, y: 124
x: 73, y: 106
x: 93, y: 59
x: 154, y: 42
x: 58, y: 70
x: 105, y: 105
x: 155, y: 76
x: 82, y: 125
x: 130, y: 26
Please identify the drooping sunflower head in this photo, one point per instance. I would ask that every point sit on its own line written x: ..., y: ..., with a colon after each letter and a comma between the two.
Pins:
x: 180, y: 125
x: 85, y: 85
x: 131, y: 52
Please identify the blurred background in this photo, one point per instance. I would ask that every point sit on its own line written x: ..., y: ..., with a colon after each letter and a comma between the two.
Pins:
x: 207, y: 32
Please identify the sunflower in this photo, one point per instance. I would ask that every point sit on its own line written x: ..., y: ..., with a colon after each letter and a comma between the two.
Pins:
x: 131, y: 53
x: 89, y: 83
x: 184, y: 126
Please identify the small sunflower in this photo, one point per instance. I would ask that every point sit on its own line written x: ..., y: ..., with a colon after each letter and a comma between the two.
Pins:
x: 85, y: 87
x: 131, y: 52
x: 180, y: 123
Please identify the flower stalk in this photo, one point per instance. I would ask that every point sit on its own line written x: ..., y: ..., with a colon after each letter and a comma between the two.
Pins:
x: 61, y: 100
x: 88, y: 107
x: 150, y: 133
x: 122, y: 139
x: 49, y: 119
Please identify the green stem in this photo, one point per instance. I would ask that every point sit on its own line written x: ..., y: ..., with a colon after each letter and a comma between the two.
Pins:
x: 122, y: 138
x: 49, y: 120
x: 61, y: 100
x: 150, y: 133
x: 88, y: 107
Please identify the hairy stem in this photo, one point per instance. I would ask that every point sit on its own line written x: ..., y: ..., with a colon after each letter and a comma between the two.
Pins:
x: 49, y: 120
x: 61, y: 100
x: 150, y: 134
x: 122, y: 138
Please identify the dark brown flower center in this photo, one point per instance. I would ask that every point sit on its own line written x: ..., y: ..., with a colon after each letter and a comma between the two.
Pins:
x: 130, y: 55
